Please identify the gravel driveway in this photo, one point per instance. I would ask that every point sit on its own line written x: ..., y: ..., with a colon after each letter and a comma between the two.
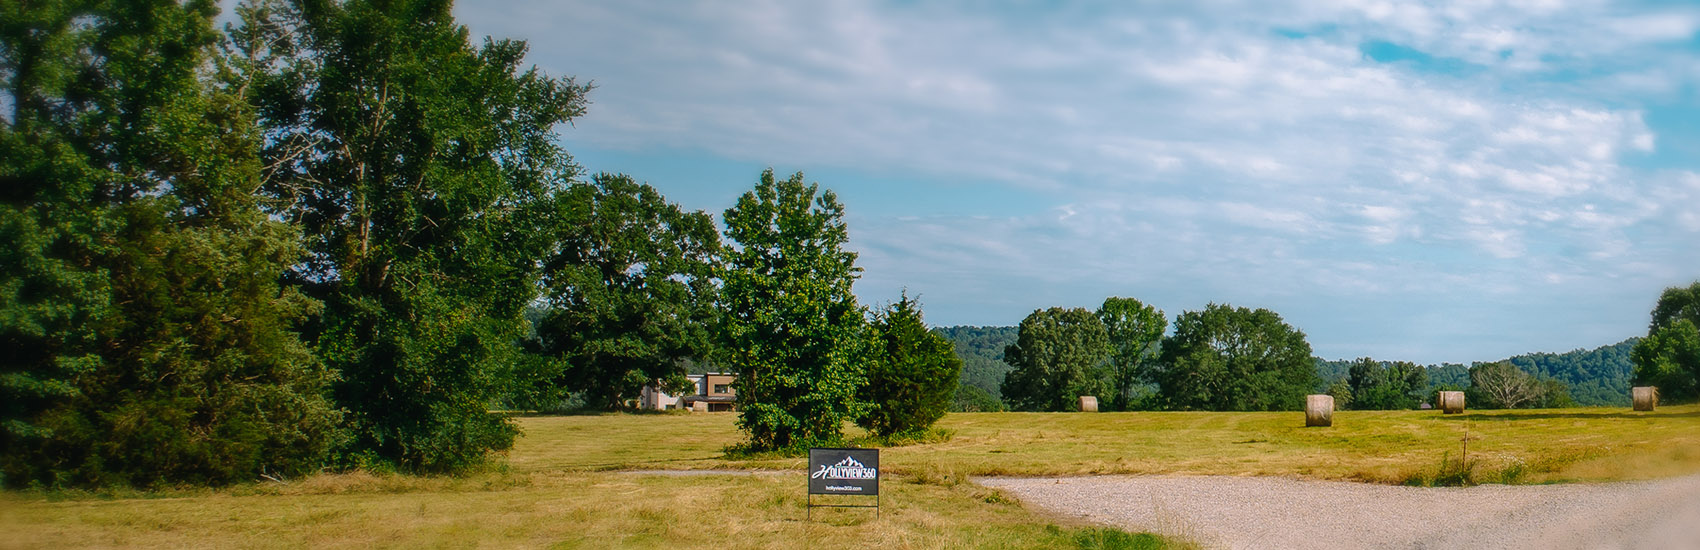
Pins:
x: 1275, y: 513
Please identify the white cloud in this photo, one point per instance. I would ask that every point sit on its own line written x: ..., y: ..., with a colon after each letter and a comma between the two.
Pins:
x: 1195, y: 149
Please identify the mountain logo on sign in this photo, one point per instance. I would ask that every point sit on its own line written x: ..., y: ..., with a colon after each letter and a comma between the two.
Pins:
x: 848, y: 468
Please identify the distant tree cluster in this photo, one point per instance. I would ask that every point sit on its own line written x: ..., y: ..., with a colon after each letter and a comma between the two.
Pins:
x: 1602, y: 374
x: 1219, y: 358
x: 1057, y: 357
x: 1376, y: 385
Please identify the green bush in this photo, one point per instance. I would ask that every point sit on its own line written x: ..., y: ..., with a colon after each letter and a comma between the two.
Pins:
x: 912, y: 373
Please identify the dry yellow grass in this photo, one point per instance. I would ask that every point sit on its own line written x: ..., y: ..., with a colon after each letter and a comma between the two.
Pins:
x: 562, y: 510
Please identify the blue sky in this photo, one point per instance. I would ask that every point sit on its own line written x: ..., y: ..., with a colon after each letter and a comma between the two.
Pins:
x: 1427, y: 182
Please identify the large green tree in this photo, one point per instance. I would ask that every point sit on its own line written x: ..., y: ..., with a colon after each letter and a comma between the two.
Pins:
x: 1055, y: 356
x: 629, y: 291
x: 912, y: 372
x: 148, y: 338
x: 1135, y: 330
x: 425, y: 173
x: 1386, y: 386
x: 1669, y: 357
x: 792, y: 328
x: 1234, y: 359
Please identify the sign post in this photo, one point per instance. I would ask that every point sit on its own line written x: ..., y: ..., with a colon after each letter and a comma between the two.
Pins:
x: 844, y: 472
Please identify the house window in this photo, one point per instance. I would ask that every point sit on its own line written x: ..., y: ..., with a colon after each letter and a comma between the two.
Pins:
x: 722, y: 388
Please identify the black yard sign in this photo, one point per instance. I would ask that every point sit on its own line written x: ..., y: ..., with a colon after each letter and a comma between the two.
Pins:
x: 844, y: 472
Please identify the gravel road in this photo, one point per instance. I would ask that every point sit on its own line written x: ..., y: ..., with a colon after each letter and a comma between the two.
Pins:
x: 1275, y: 513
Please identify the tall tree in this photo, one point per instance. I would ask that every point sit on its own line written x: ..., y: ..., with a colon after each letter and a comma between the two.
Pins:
x: 912, y: 372
x: 1054, y: 356
x: 1135, y: 330
x: 1386, y: 386
x: 792, y: 330
x: 1226, y: 358
x: 148, y: 338
x: 424, y: 171
x: 1669, y: 357
x: 630, y: 291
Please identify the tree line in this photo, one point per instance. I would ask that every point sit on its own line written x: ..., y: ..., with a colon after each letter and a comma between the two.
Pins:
x: 335, y: 234
x: 1227, y: 358
x: 1219, y: 358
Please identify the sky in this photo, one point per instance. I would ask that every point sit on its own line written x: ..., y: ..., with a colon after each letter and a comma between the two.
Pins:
x: 1437, y: 182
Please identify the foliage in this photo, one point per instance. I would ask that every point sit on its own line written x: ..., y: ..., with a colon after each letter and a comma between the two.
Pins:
x: 148, y: 338
x: 1452, y: 376
x: 1555, y: 394
x: 1596, y: 377
x: 1330, y: 372
x: 1501, y: 385
x: 1677, y: 303
x: 1227, y: 358
x: 973, y: 399
x: 629, y: 289
x: 425, y: 173
x: 1377, y: 385
x: 1669, y: 357
x: 1341, y: 391
x: 981, y: 351
x: 1456, y: 472
x: 1103, y: 538
x: 1135, y: 330
x: 912, y: 372
x: 1054, y: 358
x: 792, y: 329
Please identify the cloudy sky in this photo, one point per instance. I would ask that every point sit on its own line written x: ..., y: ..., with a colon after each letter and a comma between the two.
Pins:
x: 1429, y: 182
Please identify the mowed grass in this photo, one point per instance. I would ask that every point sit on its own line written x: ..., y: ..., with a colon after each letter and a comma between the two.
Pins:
x: 1557, y: 445
x: 586, y: 481
x: 565, y: 510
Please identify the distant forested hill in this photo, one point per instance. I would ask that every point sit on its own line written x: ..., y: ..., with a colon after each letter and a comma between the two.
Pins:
x: 1596, y: 378
x: 981, y: 350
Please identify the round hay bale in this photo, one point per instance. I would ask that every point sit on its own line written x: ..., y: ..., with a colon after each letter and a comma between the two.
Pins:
x: 1645, y: 397
x: 1319, y: 410
x: 1088, y: 404
x: 1451, y: 402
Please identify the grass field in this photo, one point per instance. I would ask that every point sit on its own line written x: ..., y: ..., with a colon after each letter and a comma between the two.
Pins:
x: 579, y: 481
x: 1558, y: 445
